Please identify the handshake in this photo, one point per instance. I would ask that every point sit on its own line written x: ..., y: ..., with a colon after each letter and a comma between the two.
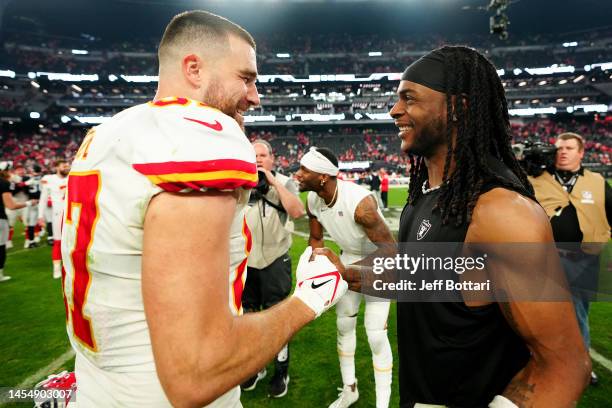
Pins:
x: 319, y: 284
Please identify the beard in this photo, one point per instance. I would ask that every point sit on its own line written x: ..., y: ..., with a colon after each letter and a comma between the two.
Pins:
x: 429, y: 139
x: 216, y: 97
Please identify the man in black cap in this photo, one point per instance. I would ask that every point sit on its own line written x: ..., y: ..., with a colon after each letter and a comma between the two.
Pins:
x: 467, y: 187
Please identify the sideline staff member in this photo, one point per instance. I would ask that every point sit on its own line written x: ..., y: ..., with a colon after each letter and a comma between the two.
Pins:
x: 579, y: 204
x: 269, y: 265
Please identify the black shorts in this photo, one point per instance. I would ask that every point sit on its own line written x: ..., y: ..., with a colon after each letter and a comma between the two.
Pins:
x: 268, y: 286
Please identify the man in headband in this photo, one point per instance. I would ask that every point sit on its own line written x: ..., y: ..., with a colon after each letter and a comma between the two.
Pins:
x: 350, y: 214
x: 467, y: 187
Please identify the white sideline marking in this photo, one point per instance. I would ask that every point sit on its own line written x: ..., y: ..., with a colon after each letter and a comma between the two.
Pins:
x: 601, y: 359
x: 47, y: 370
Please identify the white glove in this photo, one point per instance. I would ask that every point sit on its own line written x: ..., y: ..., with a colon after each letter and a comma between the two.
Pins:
x: 502, y: 402
x: 318, y: 283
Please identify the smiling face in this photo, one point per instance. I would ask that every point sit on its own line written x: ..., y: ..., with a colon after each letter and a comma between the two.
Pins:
x: 231, y: 85
x: 420, y: 115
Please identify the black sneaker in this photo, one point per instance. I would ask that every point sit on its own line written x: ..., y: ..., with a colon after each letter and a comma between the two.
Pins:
x: 279, y: 385
x: 251, y: 383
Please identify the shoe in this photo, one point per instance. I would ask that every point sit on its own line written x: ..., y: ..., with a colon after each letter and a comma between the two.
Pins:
x: 279, y: 384
x: 594, y: 379
x: 50, y: 241
x: 251, y: 383
x: 57, y: 273
x: 4, y: 278
x: 9, y: 244
x: 347, y: 397
x: 37, y: 239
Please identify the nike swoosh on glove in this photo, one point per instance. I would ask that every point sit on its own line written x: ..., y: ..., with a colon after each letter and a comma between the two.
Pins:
x: 318, y: 283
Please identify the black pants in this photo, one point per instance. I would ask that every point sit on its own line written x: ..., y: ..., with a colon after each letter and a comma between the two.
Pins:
x: 266, y: 287
x: 384, y: 197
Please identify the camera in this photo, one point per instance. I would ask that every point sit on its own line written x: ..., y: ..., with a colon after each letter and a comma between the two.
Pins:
x: 535, y: 156
x: 262, y: 187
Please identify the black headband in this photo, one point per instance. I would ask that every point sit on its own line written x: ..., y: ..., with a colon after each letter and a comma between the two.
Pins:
x: 428, y: 71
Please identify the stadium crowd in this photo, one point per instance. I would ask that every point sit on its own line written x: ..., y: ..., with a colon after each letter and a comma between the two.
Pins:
x: 47, y: 145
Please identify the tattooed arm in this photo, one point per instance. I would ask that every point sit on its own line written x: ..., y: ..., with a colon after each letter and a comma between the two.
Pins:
x: 558, y: 369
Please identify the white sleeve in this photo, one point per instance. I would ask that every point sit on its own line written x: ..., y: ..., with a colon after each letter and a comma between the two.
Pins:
x: 195, y: 148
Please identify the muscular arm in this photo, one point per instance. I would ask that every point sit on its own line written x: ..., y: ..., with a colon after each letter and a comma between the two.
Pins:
x: 290, y: 201
x: 315, y: 239
x: 557, y: 371
x: 11, y: 204
x: 201, y: 350
x: 366, y: 215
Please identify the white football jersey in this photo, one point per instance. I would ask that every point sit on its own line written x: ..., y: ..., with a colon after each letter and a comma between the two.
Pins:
x: 174, y: 145
x: 54, y: 187
x: 339, y: 221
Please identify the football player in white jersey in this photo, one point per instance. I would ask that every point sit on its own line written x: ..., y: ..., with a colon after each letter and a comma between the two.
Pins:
x: 54, y: 186
x: 155, y: 241
x: 350, y: 214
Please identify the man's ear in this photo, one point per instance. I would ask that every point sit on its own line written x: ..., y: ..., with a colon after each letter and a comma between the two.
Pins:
x: 192, y: 67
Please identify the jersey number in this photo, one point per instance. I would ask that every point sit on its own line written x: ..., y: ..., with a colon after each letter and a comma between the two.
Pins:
x: 83, y: 189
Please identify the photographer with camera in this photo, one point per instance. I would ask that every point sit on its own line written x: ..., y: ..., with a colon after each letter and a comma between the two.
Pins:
x: 274, y: 204
x: 579, y: 205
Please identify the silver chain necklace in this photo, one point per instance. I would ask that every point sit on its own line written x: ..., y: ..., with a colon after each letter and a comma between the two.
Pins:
x: 429, y: 190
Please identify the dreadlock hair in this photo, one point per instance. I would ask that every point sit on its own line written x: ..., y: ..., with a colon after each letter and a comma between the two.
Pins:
x: 483, y: 130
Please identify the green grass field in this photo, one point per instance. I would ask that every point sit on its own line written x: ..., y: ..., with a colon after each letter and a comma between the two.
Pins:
x: 33, y: 335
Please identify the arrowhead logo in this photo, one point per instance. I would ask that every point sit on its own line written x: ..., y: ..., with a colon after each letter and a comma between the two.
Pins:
x: 423, y: 229
x: 214, y: 126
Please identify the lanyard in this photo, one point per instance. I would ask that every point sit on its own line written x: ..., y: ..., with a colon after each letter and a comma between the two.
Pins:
x: 567, y: 185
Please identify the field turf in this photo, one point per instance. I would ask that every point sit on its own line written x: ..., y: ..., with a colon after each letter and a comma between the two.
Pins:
x: 32, y: 335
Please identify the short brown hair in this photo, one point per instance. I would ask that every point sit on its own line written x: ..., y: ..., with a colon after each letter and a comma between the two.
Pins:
x: 198, y: 25
x: 575, y: 136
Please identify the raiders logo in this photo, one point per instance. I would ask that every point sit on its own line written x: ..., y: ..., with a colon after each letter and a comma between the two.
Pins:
x: 423, y: 229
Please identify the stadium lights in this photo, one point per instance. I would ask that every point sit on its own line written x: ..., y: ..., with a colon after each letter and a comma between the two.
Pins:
x: 396, y: 76
x: 140, y: 78
x: 7, y: 73
x: 603, y: 65
x: 317, y: 117
x: 60, y: 76
x: 517, y: 71
x: 522, y: 83
x: 92, y: 120
x: 501, y: 72
x: 578, y: 78
x: 65, y: 119
x: 283, y: 55
x: 76, y: 88
x: 358, y: 116
x: 32, y: 75
x: 113, y: 78
x: 35, y: 115
x: 570, y: 44
x: 600, y: 108
x: 374, y: 54
x: 35, y: 84
x: 259, y: 118
x: 543, y: 82
x: 532, y: 111
x: 379, y: 116
x: 563, y: 82
x: 553, y: 69
x: 587, y: 67
x: 80, y: 52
